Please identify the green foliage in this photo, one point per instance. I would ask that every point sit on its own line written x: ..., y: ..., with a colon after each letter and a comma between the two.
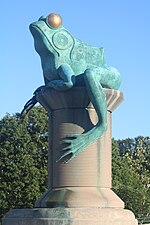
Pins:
x: 131, y: 173
x: 23, y: 153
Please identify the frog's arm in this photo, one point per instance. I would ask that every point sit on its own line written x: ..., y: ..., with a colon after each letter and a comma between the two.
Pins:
x: 66, y: 81
x: 67, y: 78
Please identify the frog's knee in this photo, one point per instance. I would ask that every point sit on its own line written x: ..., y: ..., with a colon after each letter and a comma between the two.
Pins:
x: 65, y: 69
x: 90, y: 73
x: 116, y: 77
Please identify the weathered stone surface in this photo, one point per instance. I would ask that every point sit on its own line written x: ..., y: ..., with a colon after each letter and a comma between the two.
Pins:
x: 70, y: 216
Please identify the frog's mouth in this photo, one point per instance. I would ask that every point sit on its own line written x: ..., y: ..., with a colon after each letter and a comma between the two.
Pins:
x: 42, y: 39
x: 36, y: 31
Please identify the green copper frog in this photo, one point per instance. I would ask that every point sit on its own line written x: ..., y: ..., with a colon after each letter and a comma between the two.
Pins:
x: 66, y: 62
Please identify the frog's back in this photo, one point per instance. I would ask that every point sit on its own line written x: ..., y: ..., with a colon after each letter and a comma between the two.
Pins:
x: 84, y: 56
x: 76, y: 53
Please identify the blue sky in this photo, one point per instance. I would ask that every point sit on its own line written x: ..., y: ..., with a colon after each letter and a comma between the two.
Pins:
x: 121, y: 27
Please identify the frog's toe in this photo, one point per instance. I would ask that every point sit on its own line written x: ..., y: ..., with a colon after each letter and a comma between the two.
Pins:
x: 66, y: 156
x: 39, y: 89
x: 72, y: 136
x: 65, y: 149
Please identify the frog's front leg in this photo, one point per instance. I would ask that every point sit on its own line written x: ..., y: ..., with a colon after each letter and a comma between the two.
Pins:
x: 77, y: 143
x: 66, y: 81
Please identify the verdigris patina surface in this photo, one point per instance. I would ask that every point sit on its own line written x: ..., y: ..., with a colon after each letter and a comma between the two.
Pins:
x: 68, y: 62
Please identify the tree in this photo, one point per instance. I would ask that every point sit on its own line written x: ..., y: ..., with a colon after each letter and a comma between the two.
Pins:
x: 131, y: 173
x: 139, y: 160
x: 23, y: 153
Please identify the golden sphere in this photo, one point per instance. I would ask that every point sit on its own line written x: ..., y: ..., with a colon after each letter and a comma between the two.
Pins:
x: 54, y: 20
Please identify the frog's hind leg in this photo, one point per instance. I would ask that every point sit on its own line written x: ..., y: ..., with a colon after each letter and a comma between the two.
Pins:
x: 77, y: 143
x: 92, y: 77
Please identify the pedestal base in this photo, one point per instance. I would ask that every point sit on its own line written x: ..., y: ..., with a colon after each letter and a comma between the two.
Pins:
x: 70, y: 216
x: 79, y: 197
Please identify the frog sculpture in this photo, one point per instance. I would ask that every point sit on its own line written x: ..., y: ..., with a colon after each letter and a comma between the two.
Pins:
x: 68, y: 62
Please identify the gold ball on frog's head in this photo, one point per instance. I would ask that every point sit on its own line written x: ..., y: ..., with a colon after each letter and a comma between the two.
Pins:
x: 54, y: 20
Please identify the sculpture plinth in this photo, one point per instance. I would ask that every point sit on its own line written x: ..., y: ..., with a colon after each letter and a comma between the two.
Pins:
x: 86, y: 180
x: 79, y: 191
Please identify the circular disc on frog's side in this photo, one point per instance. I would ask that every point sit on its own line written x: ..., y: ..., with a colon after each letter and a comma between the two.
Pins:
x: 62, y: 40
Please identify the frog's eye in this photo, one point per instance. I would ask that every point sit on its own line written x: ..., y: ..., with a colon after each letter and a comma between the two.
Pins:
x: 54, y: 20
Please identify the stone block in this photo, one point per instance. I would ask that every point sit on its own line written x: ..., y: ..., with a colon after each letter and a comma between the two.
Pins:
x: 70, y: 216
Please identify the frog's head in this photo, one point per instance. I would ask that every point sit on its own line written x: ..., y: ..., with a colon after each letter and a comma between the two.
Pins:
x: 50, y: 36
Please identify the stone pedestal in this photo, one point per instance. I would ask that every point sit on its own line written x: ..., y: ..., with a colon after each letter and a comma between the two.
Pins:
x: 86, y: 180
x: 79, y: 192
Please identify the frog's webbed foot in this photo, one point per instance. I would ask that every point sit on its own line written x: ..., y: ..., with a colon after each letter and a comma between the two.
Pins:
x: 29, y: 105
x: 73, y: 145
x: 32, y: 101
